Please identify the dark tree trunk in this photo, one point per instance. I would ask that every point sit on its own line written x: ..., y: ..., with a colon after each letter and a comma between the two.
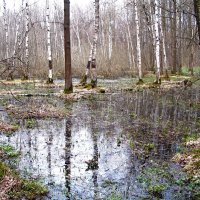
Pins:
x: 67, y: 46
x: 174, y: 29
x: 197, y: 14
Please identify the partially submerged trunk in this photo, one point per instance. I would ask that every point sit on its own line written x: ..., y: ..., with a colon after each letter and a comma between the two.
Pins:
x: 50, y: 78
x: 91, y: 66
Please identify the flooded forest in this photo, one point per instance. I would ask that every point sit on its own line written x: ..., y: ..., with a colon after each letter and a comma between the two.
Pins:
x: 100, y: 100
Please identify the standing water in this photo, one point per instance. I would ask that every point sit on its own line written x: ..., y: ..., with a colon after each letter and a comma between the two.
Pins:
x: 113, y: 146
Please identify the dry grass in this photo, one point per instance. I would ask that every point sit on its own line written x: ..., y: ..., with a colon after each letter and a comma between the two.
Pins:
x: 190, y: 160
x: 7, y: 128
x: 37, y: 110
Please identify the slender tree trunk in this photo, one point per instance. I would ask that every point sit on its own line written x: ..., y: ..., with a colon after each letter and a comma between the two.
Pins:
x: 174, y: 38
x: 26, y: 69
x: 130, y: 43
x: 5, y: 28
x: 150, y: 22
x: 139, y: 60
x: 110, y: 39
x: 157, y: 41
x: 67, y: 47
x: 129, y: 51
x: 191, y: 57
x: 180, y: 42
x: 50, y: 78
x: 91, y: 66
x: 197, y: 14
x: 163, y: 36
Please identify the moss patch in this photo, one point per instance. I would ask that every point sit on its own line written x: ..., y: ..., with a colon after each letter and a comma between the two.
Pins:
x: 28, y: 189
x: 12, y: 186
x: 8, y: 152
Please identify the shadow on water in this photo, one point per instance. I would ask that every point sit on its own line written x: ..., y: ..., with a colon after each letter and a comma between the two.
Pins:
x: 118, y: 144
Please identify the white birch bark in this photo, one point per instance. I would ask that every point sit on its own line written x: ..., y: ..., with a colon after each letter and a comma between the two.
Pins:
x: 139, y: 60
x: 50, y: 78
x: 17, y: 34
x: 95, y: 39
x: 91, y: 66
x: 27, y: 40
x: 157, y: 40
x: 16, y: 38
x: 5, y: 27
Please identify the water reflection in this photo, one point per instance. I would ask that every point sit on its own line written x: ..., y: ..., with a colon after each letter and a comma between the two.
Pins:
x: 99, y: 149
x: 68, y: 136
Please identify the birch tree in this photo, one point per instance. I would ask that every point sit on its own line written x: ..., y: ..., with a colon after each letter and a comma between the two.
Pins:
x: 50, y: 63
x: 139, y: 60
x: 67, y: 47
x: 17, y: 34
x: 26, y: 70
x: 91, y: 66
x: 5, y: 27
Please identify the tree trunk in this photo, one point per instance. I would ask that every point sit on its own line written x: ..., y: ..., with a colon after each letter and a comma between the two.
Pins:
x: 157, y: 42
x: 130, y: 43
x: 5, y: 27
x: 50, y: 78
x: 139, y: 60
x: 174, y: 38
x: 26, y: 70
x: 197, y: 14
x: 91, y: 66
x: 67, y: 47
x: 163, y: 36
x: 179, y: 67
x: 110, y: 39
x: 191, y: 57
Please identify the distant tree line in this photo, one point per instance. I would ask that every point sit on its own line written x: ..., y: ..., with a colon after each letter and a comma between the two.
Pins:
x: 134, y: 37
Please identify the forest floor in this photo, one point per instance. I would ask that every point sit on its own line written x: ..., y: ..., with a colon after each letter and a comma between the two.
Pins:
x: 29, y: 100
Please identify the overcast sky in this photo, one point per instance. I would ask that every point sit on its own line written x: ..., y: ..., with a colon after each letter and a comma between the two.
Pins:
x: 17, y: 3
